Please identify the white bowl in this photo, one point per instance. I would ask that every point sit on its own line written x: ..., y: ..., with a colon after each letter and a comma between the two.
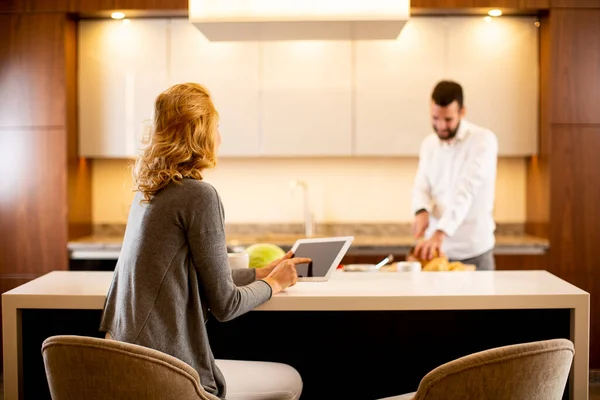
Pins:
x: 408, y: 266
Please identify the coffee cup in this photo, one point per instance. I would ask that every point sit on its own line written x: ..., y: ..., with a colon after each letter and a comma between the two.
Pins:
x: 408, y: 266
x: 238, y: 260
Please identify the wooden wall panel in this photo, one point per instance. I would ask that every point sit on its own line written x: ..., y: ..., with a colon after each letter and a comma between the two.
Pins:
x: 575, y: 218
x: 441, y: 3
x: 575, y: 193
x: 12, y: 6
x: 79, y: 176
x: 76, y: 6
x: 576, y: 66
x: 499, y: 3
x: 545, y: 76
x: 576, y: 3
x: 33, y: 201
x: 538, y: 197
x: 31, y: 70
x: 537, y: 4
x: 150, y: 4
x: 538, y: 175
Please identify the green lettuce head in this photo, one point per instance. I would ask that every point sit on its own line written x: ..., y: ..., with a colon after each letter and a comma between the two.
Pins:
x: 261, y: 254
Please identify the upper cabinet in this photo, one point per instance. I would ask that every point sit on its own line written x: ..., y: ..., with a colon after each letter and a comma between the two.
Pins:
x: 305, y: 107
x: 394, y: 80
x: 122, y: 68
x: 311, y: 98
x: 496, y: 62
x: 229, y: 70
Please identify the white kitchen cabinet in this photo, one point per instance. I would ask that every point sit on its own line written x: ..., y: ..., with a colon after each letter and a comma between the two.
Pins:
x: 496, y: 62
x: 229, y: 70
x: 122, y: 68
x: 305, y: 98
x: 394, y: 79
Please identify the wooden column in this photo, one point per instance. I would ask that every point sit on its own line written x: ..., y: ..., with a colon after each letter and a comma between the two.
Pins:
x: 39, y: 200
x: 564, y: 181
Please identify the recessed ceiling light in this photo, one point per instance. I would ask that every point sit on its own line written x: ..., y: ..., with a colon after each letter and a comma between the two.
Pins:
x: 495, y: 13
x: 117, y: 15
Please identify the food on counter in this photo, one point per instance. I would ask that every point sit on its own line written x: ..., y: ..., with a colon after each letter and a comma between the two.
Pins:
x: 458, y: 266
x: 261, y: 254
x: 439, y: 263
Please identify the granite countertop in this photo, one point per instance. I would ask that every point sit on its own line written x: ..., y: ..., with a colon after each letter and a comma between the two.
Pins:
x: 366, y: 240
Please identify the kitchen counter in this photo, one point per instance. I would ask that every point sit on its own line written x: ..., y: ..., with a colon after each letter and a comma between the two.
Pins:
x: 367, y: 290
x: 516, y: 244
x: 347, y: 307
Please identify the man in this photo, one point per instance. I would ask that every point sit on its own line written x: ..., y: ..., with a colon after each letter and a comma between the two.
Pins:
x: 453, y: 195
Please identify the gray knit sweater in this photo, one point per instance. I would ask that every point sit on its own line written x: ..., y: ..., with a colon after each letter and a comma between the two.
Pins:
x: 173, y: 269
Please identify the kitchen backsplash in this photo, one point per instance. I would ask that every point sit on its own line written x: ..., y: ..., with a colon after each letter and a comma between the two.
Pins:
x: 340, y: 189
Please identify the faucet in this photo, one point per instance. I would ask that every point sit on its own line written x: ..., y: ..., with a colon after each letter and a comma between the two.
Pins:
x: 309, y: 224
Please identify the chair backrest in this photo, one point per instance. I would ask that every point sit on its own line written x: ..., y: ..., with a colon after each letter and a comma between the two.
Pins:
x: 528, y: 371
x: 88, y: 368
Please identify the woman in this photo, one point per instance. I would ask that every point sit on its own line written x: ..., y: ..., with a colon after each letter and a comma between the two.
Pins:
x: 173, y: 268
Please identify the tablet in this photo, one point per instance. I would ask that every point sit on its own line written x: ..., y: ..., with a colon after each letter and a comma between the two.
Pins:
x: 326, y: 255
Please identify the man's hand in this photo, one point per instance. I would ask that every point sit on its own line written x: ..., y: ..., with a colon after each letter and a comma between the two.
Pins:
x: 420, y: 224
x: 432, y: 247
x: 263, y: 272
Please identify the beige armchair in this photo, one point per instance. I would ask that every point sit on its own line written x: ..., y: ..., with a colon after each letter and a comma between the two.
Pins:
x: 97, y: 369
x: 528, y: 371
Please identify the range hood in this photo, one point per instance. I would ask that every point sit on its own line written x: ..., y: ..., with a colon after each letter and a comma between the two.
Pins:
x: 260, y: 20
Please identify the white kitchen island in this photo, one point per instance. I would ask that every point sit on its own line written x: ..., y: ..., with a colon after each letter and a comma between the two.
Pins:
x: 365, y: 307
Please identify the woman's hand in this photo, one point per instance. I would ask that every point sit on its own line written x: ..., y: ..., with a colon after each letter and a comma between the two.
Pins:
x: 263, y: 272
x: 282, y: 272
x: 283, y: 276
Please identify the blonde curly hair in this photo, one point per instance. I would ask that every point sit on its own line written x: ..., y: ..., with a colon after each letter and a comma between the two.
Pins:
x: 183, y: 141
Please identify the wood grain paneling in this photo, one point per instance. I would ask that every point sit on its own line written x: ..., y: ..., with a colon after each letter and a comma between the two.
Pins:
x: 576, y: 3
x: 517, y: 262
x: 76, y: 6
x: 499, y: 3
x: 538, y: 197
x: 441, y: 3
x: 576, y: 66
x: 33, y: 200
x: 538, y: 174
x: 150, y: 4
x: 12, y: 6
x: 79, y: 176
x: 32, y: 75
x: 545, y: 77
x: 537, y: 4
x: 575, y: 193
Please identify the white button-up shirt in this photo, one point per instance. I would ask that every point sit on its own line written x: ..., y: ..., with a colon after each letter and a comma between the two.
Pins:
x: 455, y: 183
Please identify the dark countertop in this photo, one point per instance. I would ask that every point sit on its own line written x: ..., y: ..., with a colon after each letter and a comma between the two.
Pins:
x: 363, y: 244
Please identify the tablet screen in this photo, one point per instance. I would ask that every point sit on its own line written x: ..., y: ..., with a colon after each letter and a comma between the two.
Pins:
x: 322, y: 254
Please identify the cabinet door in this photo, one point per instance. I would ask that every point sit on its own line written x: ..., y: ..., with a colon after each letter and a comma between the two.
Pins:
x: 229, y: 70
x: 394, y: 80
x: 122, y: 68
x: 496, y: 62
x: 306, y: 98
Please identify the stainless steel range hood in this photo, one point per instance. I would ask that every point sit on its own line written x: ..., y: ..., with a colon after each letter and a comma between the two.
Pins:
x: 259, y: 20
